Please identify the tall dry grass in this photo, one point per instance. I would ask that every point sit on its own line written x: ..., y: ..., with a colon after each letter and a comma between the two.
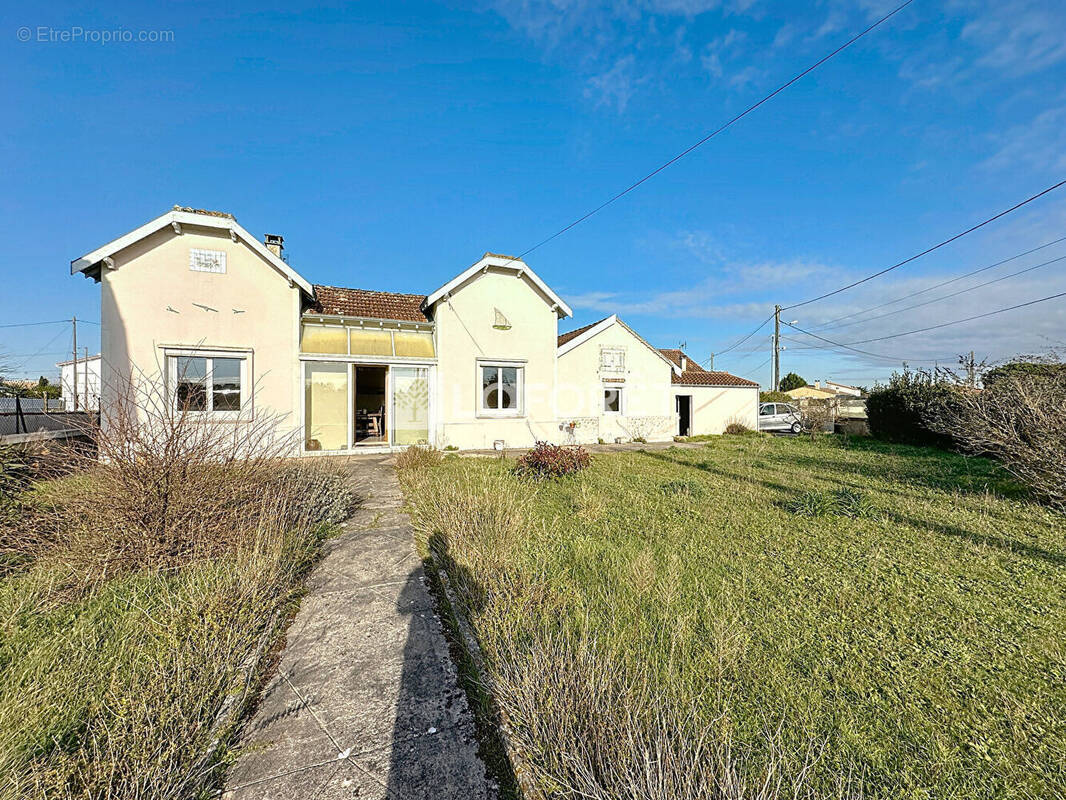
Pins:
x: 139, y: 588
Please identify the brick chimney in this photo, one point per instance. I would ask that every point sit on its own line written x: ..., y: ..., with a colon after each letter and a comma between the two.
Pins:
x: 274, y: 243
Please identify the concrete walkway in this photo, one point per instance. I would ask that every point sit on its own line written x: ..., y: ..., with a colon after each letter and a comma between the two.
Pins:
x: 365, y: 702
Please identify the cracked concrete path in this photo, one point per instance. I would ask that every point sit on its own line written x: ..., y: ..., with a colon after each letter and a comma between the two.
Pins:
x: 365, y: 702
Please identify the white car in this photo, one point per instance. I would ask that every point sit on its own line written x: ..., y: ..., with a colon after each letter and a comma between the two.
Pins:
x: 779, y: 417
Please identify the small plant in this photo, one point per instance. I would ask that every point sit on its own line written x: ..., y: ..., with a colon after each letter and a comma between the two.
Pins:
x: 839, y: 502
x: 552, y: 461
x: 640, y: 440
x: 415, y: 457
x: 451, y: 449
x: 737, y: 429
x: 685, y: 487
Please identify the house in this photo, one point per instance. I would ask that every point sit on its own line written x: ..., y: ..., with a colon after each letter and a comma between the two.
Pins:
x: 707, y: 401
x: 843, y: 389
x: 230, y: 329
x: 87, y: 372
x: 811, y: 393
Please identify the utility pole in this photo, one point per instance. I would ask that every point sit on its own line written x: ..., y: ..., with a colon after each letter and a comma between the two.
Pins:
x: 971, y: 370
x: 74, y: 322
x: 712, y: 362
x: 777, y: 348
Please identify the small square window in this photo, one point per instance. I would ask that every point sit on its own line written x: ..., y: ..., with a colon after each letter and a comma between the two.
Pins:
x: 612, y: 401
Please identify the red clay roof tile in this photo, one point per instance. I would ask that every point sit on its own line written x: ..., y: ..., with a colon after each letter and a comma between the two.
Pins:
x: 342, y: 302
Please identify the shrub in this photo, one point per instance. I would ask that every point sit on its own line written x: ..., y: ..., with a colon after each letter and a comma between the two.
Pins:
x: 1019, y: 420
x: 904, y: 409
x: 418, y: 458
x: 775, y: 397
x: 737, y: 429
x: 552, y: 461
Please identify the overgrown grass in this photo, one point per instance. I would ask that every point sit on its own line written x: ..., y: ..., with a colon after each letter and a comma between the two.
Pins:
x: 122, y: 638
x: 645, y: 638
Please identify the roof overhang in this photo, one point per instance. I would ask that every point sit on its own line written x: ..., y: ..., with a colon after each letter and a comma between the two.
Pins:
x: 516, y: 265
x: 176, y: 219
x: 601, y: 326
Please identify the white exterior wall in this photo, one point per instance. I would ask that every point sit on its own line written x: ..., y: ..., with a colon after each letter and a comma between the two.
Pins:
x: 714, y: 407
x: 647, y: 396
x: 88, y: 384
x: 148, y: 305
x: 466, y: 336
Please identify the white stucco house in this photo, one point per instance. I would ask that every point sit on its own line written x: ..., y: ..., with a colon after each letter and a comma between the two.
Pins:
x: 79, y: 382
x: 232, y: 330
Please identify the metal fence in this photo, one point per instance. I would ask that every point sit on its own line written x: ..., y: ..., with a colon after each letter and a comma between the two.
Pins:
x: 28, y: 404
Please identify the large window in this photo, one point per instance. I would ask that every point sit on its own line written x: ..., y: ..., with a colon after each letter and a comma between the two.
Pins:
x: 501, y: 389
x: 210, y: 384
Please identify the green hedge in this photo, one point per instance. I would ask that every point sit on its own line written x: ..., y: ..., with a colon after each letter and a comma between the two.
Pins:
x: 902, y: 410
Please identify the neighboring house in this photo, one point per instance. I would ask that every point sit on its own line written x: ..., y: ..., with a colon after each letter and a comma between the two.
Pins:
x: 88, y: 383
x: 842, y: 388
x: 811, y: 393
x: 226, y: 327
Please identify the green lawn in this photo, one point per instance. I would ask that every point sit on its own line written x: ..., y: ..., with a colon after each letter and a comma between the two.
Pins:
x: 699, y: 622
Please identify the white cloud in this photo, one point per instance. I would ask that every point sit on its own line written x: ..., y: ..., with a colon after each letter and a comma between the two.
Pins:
x: 615, y: 86
x: 1037, y: 143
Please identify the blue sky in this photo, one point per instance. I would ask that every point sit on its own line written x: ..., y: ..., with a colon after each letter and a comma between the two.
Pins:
x: 392, y: 144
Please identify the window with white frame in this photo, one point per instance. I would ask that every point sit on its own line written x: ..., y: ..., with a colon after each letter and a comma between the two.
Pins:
x: 612, y: 400
x: 207, y: 260
x: 216, y: 384
x: 613, y: 360
x: 501, y: 389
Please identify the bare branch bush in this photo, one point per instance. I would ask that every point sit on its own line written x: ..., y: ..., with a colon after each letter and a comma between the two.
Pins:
x: 1018, y: 419
x: 166, y: 486
x: 818, y: 415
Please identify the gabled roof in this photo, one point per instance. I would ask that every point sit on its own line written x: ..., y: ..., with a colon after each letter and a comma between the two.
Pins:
x: 341, y: 302
x: 695, y: 375
x: 177, y: 217
x: 566, y: 337
x: 568, y: 341
x: 500, y: 262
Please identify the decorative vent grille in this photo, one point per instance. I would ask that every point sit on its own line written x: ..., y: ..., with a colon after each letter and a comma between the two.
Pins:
x: 613, y: 360
x: 207, y: 260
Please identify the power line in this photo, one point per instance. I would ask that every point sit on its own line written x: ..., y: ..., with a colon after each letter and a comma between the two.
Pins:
x: 31, y: 324
x: 953, y: 294
x: 953, y: 322
x: 738, y: 344
x: 957, y: 278
x: 855, y: 349
x: 928, y: 250
x: 716, y: 131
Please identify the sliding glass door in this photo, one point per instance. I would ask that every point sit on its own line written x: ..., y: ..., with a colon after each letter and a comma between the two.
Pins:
x: 410, y: 405
x: 325, y: 405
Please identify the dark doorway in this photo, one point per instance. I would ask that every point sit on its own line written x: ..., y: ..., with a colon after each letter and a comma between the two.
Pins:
x: 684, y: 414
x: 370, y: 421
